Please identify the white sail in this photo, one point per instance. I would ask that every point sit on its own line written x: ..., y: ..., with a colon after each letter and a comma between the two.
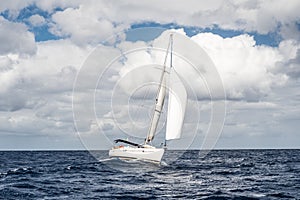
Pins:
x: 176, y: 106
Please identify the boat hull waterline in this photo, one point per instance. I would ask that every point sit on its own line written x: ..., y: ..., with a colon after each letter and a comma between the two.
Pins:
x: 148, y: 154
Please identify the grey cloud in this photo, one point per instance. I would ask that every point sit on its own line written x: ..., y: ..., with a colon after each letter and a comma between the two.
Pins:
x: 290, y: 67
x: 290, y: 30
x: 12, y: 102
x: 294, y: 66
x: 5, y: 63
x: 107, y: 127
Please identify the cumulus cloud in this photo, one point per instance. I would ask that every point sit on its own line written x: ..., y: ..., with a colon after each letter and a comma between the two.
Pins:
x: 50, y: 6
x: 36, y: 89
x: 14, y: 7
x: 290, y: 64
x: 291, y: 67
x: 257, y: 16
x: 84, y: 20
x: 244, y: 66
x: 83, y: 25
x: 294, y: 66
x: 15, y: 38
x: 53, y: 68
x: 36, y: 20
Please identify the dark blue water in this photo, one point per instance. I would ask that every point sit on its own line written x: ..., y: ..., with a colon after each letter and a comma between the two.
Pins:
x: 222, y: 174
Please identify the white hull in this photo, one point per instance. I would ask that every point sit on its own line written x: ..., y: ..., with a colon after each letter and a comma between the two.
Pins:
x: 150, y: 154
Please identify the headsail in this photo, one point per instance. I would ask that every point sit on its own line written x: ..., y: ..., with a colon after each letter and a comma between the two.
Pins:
x: 176, y: 106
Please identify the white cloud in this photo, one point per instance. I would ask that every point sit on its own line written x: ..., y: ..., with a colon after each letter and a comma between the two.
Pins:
x: 6, y: 73
x: 5, y: 63
x: 244, y: 67
x: 14, y: 6
x: 53, y: 68
x: 37, y: 20
x: 50, y: 6
x: 83, y: 25
x: 257, y: 16
x: 15, y: 38
x: 36, y: 89
x: 291, y: 64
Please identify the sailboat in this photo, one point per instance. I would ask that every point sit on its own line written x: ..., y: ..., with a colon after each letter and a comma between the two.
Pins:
x: 175, y: 116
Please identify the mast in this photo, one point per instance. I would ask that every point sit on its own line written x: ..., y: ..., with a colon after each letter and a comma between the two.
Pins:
x: 160, y: 96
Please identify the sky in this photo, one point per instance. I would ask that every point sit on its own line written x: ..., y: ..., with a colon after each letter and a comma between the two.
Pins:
x: 47, y: 48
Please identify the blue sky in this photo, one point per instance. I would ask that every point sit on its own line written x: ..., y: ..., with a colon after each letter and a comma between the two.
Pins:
x: 254, y: 45
x: 269, y: 39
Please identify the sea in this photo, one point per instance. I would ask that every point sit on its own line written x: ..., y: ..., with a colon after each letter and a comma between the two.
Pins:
x: 221, y: 174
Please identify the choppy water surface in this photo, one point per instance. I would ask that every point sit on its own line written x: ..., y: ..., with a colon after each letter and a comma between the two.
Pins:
x: 222, y: 174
